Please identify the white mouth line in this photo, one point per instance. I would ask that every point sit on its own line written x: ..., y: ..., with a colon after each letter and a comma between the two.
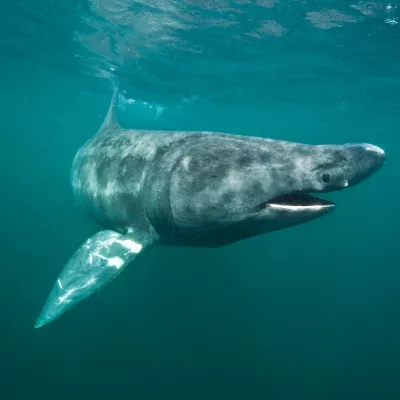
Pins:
x: 289, y: 207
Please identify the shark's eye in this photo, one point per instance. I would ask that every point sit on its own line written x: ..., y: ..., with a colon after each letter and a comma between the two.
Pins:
x: 326, y: 178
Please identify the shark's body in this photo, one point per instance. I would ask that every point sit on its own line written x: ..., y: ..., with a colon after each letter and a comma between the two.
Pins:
x: 202, y: 189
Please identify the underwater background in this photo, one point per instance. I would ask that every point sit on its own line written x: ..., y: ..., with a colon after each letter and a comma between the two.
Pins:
x: 310, y: 312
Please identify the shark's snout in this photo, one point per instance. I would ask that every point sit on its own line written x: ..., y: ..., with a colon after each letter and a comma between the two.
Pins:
x: 367, y: 151
x: 376, y: 152
x: 367, y: 159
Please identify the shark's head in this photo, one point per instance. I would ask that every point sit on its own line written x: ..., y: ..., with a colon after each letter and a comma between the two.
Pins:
x: 228, y: 188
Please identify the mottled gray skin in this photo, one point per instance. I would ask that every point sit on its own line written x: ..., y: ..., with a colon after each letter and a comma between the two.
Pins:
x: 206, y: 188
x: 191, y: 189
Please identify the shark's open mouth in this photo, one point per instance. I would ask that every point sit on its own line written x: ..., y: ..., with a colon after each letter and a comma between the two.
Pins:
x: 298, y: 202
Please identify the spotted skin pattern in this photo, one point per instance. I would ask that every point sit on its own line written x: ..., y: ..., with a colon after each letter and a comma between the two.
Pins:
x: 204, y: 189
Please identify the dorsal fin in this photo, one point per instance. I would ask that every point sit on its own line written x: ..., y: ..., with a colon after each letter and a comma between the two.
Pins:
x: 110, y: 122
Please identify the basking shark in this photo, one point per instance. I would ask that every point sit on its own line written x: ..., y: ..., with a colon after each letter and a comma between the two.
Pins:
x: 204, y: 189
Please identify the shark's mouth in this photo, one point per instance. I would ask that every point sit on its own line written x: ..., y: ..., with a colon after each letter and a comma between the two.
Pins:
x: 299, y: 202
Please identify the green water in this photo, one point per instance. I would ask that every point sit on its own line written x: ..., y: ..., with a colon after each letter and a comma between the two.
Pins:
x: 311, y: 312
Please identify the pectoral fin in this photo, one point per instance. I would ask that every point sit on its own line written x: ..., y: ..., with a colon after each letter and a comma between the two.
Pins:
x: 94, y: 264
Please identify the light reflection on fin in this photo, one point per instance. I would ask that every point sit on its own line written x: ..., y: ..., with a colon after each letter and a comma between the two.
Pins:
x: 94, y: 264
